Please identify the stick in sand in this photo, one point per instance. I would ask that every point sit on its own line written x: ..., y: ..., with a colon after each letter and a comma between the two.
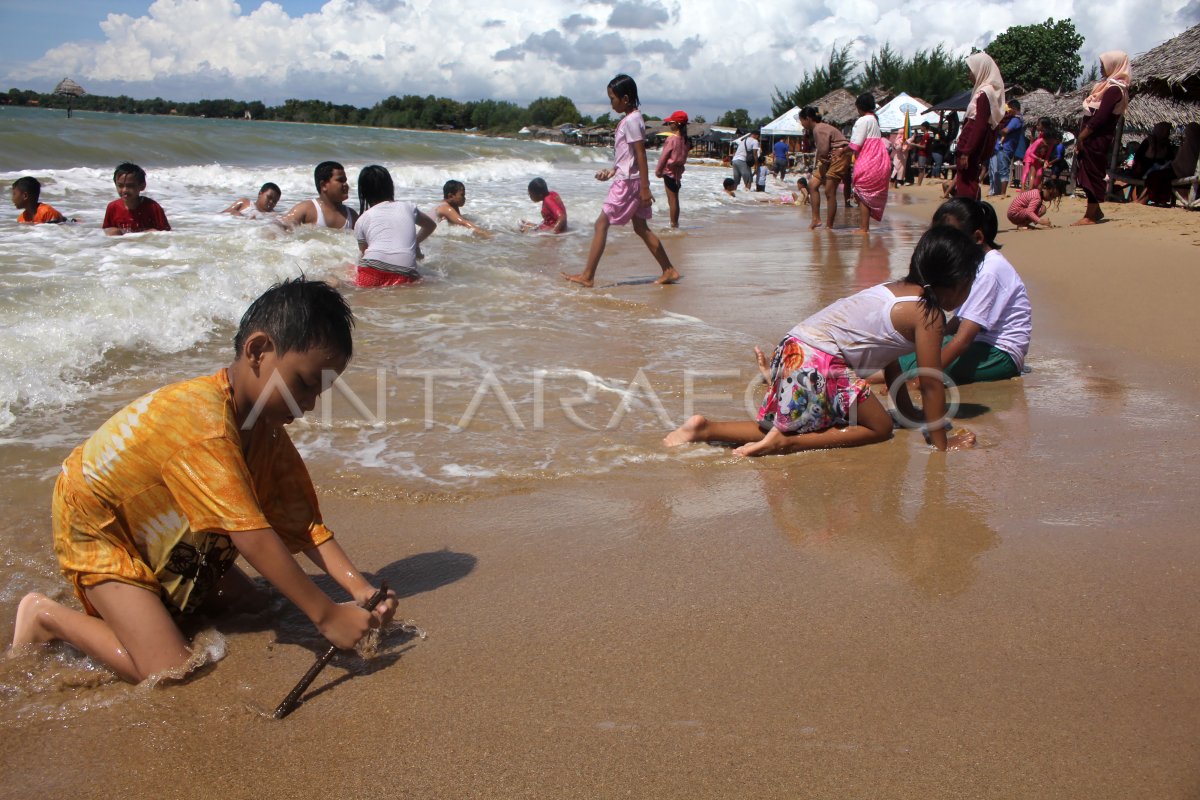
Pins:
x: 292, y: 700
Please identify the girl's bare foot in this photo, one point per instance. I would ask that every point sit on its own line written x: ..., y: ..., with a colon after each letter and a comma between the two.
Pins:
x: 816, y: 223
x: 669, y: 276
x: 582, y: 281
x: 690, y: 431
x: 764, y: 366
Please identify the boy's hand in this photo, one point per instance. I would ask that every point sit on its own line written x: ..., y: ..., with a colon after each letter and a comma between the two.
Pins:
x: 345, y: 624
x: 386, y: 609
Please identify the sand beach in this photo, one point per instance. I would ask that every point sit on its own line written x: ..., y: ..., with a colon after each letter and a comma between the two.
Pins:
x: 1013, y: 621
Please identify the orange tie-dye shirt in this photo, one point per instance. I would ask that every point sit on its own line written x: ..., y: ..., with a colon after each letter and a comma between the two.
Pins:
x: 151, y: 497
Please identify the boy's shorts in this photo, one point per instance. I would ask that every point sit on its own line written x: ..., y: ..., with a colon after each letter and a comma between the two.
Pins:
x: 89, y: 556
x: 837, y: 168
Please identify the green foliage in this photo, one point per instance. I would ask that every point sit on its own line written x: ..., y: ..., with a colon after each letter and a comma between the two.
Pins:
x: 409, y: 111
x: 550, y: 111
x: 1043, y: 56
x: 932, y: 75
x: 738, y: 118
x: 834, y: 75
x: 1092, y: 76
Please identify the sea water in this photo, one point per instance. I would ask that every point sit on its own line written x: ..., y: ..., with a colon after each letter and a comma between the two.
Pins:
x: 491, y: 370
x: 488, y: 376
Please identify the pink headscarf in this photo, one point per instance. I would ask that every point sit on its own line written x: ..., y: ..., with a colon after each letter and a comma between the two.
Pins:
x: 988, y: 81
x: 1115, y: 64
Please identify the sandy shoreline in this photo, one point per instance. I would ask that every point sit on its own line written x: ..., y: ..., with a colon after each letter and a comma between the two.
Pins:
x: 1017, y: 621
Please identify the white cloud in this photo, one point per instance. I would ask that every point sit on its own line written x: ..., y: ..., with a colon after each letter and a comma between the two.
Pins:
x: 704, y: 54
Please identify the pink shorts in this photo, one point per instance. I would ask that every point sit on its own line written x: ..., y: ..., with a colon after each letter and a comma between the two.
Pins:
x: 810, y: 390
x: 624, y: 201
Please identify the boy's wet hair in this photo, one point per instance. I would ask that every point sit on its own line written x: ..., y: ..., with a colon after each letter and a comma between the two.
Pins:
x: 299, y: 314
x: 729, y: 183
x: 538, y: 187
x: 452, y: 187
x: 865, y: 102
x: 270, y: 187
x: 324, y: 172
x: 811, y: 112
x: 944, y: 258
x: 127, y: 168
x: 374, y: 186
x: 30, y: 186
x: 802, y: 181
x: 625, y: 86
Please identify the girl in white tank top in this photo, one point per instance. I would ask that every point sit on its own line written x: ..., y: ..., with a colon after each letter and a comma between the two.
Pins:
x: 816, y: 398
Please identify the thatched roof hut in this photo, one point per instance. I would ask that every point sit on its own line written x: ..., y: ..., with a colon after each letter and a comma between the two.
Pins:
x: 1172, y: 69
x: 1144, y: 111
x: 69, y: 88
x: 837, y: 107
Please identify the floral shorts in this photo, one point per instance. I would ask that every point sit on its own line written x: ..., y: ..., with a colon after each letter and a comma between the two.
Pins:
x: 810, y: 390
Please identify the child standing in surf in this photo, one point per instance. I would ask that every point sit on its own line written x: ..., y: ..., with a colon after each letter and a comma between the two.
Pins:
x: 629, y: 196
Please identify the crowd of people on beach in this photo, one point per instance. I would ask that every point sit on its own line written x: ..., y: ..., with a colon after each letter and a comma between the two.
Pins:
x: 151, y: 511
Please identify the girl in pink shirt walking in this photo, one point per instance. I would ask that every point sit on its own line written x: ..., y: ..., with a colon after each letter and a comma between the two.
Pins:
x: 629, y: 196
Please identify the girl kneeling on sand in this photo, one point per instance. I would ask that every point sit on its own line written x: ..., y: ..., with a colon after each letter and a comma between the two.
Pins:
x: 816, y: 399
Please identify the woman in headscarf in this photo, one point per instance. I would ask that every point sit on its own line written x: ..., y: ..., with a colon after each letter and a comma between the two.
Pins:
x: 1101, y: 111
x: 978, y: 137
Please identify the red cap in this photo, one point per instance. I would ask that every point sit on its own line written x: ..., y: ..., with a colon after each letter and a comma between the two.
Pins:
x: 679, y: 117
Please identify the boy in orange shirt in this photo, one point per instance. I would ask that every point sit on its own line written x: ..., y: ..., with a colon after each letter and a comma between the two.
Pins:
x: 150, y: 513
x: 26, y: 194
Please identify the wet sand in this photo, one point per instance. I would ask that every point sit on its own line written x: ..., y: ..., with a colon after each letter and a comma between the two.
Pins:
x: 1015, y: 621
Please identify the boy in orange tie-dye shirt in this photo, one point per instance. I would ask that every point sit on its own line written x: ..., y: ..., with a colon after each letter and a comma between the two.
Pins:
x: 150, y: 513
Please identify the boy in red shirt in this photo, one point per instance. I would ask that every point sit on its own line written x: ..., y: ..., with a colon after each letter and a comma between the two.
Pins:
x: 554, y: 213
x: 130, y: 212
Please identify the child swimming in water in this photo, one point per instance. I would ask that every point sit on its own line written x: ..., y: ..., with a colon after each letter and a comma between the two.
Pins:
x: 816, y: 398
x: 389, y: 232
x: 26, y: 195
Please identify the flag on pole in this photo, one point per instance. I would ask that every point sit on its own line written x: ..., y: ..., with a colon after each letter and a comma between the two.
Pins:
x: 907, y: 131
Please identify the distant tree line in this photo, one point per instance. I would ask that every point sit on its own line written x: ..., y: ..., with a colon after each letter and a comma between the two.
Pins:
x: 1041, y: 56
x: 410, y: 111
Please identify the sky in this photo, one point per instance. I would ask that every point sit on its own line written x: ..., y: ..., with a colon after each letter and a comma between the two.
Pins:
x: 703, y: 56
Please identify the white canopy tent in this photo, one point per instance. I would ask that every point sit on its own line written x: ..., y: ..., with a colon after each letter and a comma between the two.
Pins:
x: 891, y: 115
x: 786, y: 124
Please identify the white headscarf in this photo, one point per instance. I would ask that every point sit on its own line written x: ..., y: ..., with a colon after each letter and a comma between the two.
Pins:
x: 1116, y: 73
x: 988, y: 81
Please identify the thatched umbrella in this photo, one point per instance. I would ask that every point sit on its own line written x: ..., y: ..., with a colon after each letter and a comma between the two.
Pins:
x: 70, y: 90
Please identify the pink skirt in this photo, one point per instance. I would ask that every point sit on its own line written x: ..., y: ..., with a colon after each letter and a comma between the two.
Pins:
x: 624, y: 201
x: 872, y: 167
x: 810, y: 390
